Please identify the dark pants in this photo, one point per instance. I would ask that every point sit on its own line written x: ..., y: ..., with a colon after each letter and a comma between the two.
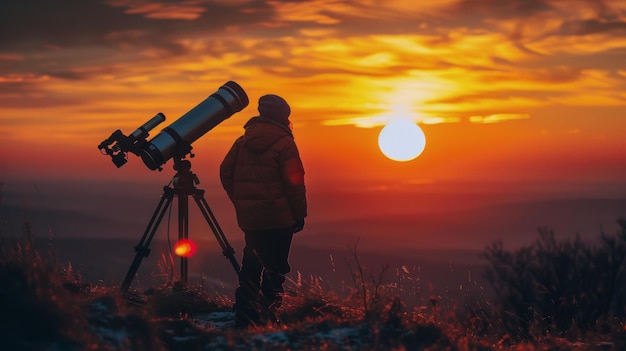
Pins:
x: 262, y: 274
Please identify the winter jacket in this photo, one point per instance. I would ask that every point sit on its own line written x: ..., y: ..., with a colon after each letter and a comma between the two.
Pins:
x: 264, y: 177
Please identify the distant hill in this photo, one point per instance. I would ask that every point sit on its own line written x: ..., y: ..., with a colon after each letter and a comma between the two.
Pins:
x: 514, y: 224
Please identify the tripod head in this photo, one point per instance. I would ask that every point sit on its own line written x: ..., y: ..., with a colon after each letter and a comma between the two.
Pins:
x: 184, y: 180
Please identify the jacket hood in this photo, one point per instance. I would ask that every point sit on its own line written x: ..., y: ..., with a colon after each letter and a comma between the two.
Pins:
x: 261, y: 133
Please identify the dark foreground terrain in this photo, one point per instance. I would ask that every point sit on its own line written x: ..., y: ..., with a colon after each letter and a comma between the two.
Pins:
x: 46, y: 304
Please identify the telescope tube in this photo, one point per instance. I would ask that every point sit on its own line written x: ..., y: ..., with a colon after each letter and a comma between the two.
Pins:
x: 177, y: 138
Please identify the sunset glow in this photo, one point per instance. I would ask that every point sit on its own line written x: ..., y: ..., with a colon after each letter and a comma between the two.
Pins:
x: 517, y: 93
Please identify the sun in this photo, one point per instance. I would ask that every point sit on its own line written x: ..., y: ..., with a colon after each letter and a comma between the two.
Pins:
x: 401, y: 140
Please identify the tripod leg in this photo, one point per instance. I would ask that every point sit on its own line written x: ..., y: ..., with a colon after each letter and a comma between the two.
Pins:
x: 183, y: 233
x: 142, y: 247
x: 227, y: 250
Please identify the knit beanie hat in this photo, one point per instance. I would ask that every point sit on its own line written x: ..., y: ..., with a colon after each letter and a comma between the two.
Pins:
x: 274, y: 107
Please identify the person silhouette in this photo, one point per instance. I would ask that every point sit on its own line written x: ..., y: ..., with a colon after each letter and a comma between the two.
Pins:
x: 263, y: 176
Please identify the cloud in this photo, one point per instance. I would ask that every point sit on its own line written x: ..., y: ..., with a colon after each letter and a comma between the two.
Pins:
x: 591, y: 26
x: 342, y: 62
x: 11, y: 57
x: 23, y: 78
x: 361, y: 122
x: 25, y: 91
x: 381, y: 120
x: 440, y: 120
x: 497, y: 118
x: 185, y: 10
x: 30, y: 25
x: 502, y: 9
x: 356, y: 12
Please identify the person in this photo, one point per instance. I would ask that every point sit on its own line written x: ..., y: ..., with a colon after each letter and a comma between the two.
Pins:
x: 263, y: 176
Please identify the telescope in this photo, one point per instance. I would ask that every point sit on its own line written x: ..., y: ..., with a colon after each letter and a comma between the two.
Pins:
x: 175, y: 140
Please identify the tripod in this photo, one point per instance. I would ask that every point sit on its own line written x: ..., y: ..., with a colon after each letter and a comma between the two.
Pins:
x: 184, y: 184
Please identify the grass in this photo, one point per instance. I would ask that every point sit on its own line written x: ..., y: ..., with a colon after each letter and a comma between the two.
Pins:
x: 45, y: 306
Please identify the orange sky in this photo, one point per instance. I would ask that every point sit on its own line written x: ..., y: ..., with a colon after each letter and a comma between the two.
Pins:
x: 506, y: 91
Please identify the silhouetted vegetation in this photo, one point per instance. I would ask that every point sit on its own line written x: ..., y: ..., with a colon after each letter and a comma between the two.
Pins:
x: 554, y: 295
x: 46, y: 307
x: 558, y: 287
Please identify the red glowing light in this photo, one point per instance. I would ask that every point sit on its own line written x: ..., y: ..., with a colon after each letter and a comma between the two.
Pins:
x: 185, y: 248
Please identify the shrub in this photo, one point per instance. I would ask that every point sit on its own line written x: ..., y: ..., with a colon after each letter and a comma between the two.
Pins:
x: 559, y: 286
x: 46, y: 307
x: 36, y: 309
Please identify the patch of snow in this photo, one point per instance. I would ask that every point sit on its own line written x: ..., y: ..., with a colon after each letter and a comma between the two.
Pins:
x: 275, y: 338
x: 219, y: 343
x: 339, y: 336
x: 111, y: 336
x: 217, y: 320
x: 185, y: 338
